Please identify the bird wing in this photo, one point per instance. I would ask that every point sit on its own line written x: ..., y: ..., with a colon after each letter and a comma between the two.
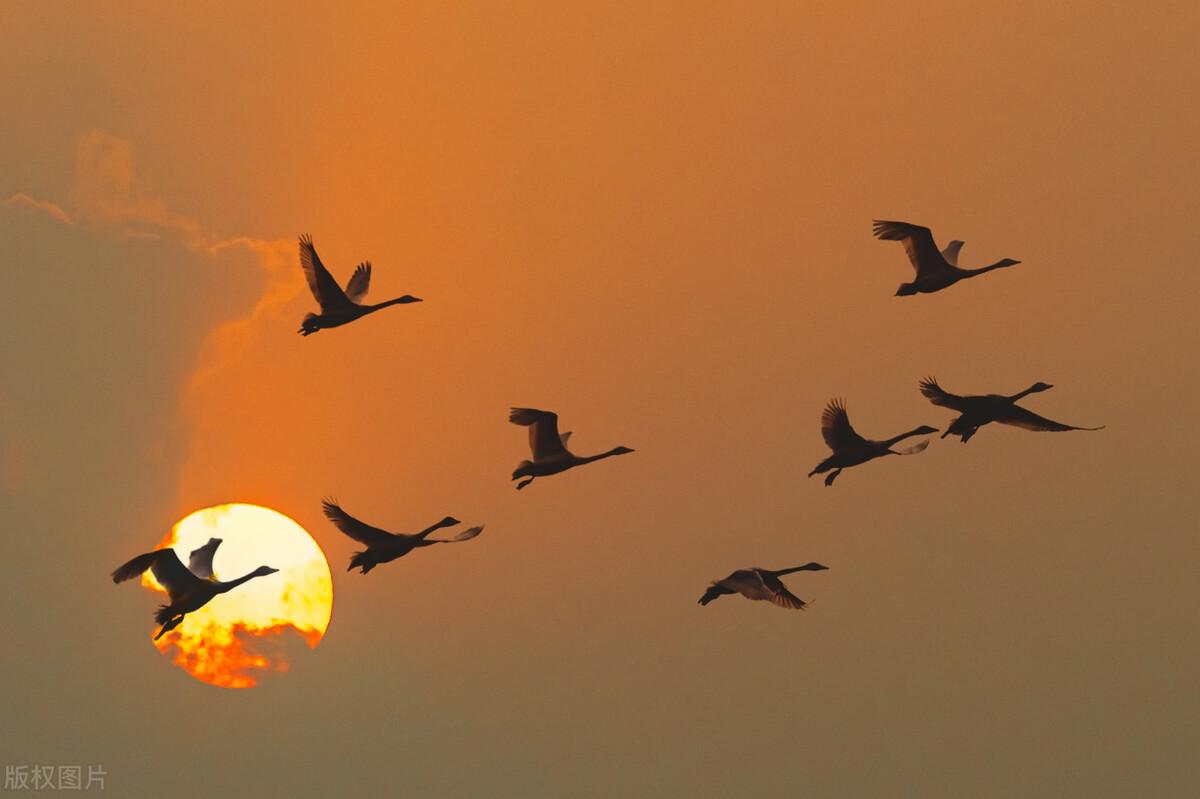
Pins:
x: 1028, y: 420
x: 918, y: 244
x: 938, y: 396
x: 564, y: 438
x: 544, y: 440
x: 324, y: 288
x: 359, y: 282
x: 360, y: 532
x: 172, y: 574
x: 786, y: 599
x: 200, y: 561
x: 747, y: 582
x: 950, y: 253
x: 465, y: 535
x: 836, y: 429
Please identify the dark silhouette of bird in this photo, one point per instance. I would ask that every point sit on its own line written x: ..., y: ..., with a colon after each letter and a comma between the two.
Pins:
x: 550, y: 453
x: 851, y: 449
x: 976, y: 411
x: 337, y: 306
x: 383, y: 546
x: 935, y: 270
x: 188, y: 589
x: 759, y: 583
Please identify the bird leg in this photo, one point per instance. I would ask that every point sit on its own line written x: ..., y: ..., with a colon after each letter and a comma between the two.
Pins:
x: 832, y: 476
x: 524, y: 483
x: 171, y: 624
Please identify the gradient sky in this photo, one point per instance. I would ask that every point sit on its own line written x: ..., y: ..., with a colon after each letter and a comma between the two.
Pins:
x: 655, y: 221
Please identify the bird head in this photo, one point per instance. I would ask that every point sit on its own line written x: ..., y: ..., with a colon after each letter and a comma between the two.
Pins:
x: 262, y: 571
x: 407, y: 298
x: 816, y: 567
x: 621, y: 450
x: 449, y: 521
x: 1007, y: 262
x: 906, y: 290
x: 1040, y: 386
x: 925, y: 430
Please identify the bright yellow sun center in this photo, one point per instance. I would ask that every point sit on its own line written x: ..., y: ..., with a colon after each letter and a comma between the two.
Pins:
x: 242, y: 634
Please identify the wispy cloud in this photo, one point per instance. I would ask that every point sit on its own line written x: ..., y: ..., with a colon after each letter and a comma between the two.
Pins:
x: 53, y: 210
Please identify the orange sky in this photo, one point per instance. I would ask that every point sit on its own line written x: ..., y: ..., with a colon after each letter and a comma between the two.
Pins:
x: 656, y: 222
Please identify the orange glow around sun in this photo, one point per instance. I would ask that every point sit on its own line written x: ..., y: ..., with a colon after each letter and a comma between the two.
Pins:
x: 243, y: 635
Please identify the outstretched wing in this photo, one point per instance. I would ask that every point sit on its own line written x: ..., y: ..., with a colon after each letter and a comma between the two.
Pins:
x: 359, y: 282
x: 324, y: 288
x: 544, y: 440
x: 167, y: 568
x: 465, y: 535
x: 918, y: 244
x: 786, y: 599
x: 200, y: 561
x: 938, y: 396
x: 950, y: 253
x: 836, y: 429
x: 360, y: 532
x: 1028, y: 420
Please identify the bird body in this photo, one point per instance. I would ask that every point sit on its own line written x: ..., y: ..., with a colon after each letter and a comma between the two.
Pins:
x: 338, y: 306
x: 935, y: 270
x: 977, y: 410
x: 760, y: 584
x: 851, y: 449
x: 549, y: 447
x: 188, y: 590
x: 382, y: 546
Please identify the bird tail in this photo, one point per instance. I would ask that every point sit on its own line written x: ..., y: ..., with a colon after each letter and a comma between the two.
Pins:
x: 361, y: 560
x: 135, y: 567
x: 712, y: 593
x: 522, y: 469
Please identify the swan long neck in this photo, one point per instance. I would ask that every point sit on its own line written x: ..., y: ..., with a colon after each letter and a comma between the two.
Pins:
x: 377, y: 306
x: 1021, y: 394
x: 433, y: 528
x: 601, y: 456
x: 807, y: 567
x: 916, y: 431
x: 998, y: 265
x: 222, y: 587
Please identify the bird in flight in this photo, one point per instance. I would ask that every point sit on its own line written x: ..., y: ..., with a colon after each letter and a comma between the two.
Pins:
x: 851, y: 449
x: 550, y: 453
x: 976, y: 411
x: 383, y: 546
x: 935, y: 270
x: 337, y: 306
x: 759, y: 583
x: 189, y: 587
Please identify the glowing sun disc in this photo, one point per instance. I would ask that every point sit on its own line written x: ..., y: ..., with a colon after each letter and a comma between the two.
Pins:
x: 244, y: 634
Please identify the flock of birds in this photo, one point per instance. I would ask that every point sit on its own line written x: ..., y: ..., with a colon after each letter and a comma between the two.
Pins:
x: 191, y: 587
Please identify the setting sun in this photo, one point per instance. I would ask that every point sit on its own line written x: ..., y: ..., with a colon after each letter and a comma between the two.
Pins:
x: 242, y: 635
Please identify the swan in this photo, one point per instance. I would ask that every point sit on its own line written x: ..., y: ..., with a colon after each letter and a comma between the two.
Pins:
x: 383, y: 546
x: 189, y: 589
x: 976, y: 411
x: 851, y: 449
x: 759, y: 583
x: 550, y: 453
x: 935, y: 270
x: 337, y: 307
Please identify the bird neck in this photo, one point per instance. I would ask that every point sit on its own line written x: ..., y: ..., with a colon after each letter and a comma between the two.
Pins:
x: 222, y: 587
x: 1021, y: 394
x: 433, y: 528
x: 386, y: 303
x: 601, y: 456
x: 807, y: 567
x: 916, y: 431
x: 982, y: 269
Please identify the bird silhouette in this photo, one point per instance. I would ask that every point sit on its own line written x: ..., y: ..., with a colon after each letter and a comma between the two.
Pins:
x: 337, y: 306
x: 383, y: 546
x: 550, y: 453
x: 851, y: 449
x: 935, y: 270
x: 976, y: 411
x: 759, y: 583
x: 188, y: 589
